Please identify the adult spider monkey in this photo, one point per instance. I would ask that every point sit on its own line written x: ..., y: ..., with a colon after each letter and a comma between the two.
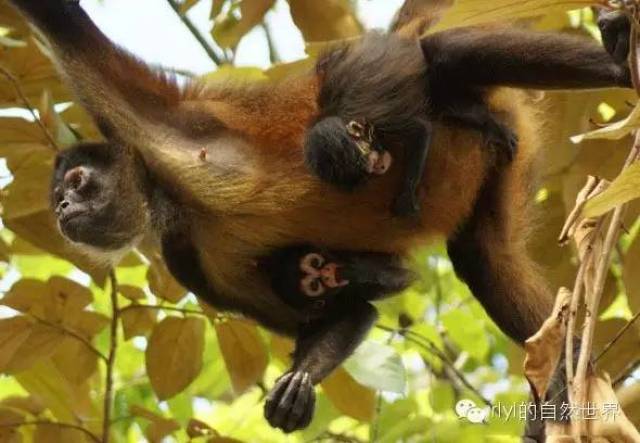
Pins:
x: 216, y: 173
x: 363, y: 110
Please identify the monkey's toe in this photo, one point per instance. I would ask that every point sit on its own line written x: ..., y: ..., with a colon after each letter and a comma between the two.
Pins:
x: 291, y: 402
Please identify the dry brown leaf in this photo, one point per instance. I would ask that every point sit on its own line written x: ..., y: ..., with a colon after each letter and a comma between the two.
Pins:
x: 30, y: 405
x: 43, y: 341
x: 606, y: 423
x: 174, y: 355
x: 74, y: 359
x: 132, y: 293
x: 13, y: 333
x: 197, y: 428
x: 244, y: 352
x: 349, y: 396
x: 544, y: 349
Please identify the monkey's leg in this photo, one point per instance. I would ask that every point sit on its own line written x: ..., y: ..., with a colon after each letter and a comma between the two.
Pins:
x: 321, y: 347
x: 415, y: 158
x: 511, y: 57
x: 488, y: 253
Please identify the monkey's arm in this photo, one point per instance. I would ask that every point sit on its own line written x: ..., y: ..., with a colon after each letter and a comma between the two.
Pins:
x: 511, y: 57
x: 419, y: 136
x: 321, y: 347
x: 115, y: 87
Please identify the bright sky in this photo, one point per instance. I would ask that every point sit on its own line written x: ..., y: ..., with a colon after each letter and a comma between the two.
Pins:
x: 151, y: 30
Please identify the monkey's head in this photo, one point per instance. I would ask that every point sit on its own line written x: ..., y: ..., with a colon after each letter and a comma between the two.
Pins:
x: 97, y: 197
x: 304, y: 276
x: 344, y: 154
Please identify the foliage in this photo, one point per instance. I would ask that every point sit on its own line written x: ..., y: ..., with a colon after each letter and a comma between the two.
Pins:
x: 184, y: 372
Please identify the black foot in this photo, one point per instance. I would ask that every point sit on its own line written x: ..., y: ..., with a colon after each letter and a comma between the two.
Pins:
x: 291, y: 402
x: 615, y: 28
x: 503, y: 139
x: 406, y: 205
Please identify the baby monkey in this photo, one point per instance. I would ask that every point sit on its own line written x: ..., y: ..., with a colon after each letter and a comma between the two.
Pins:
x: 315, y: 281
x: 374, y: 100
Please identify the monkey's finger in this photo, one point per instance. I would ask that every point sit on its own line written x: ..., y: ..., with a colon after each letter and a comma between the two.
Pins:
x: 274, y: 396
x: 284, y: 405
x: 300, y: 404
x: 309, y: 410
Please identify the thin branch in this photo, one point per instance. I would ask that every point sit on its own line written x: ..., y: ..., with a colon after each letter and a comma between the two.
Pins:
x: 163, y: 308
x: 196, y: 33
x: 113, y: 348
x: 428, y: 345
x: 85, y: 431
x: 27, y: 103
x: 72, y: 334
x: 617, y: 337
x: 626, y: 372
x: 274, y: 56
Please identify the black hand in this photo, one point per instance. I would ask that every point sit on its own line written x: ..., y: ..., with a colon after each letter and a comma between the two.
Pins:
x: 615, y: 28
x: 291, y: 402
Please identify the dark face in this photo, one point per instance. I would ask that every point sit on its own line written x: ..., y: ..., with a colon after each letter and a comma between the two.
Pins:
x: 319, y: 276
x: 94, y: 198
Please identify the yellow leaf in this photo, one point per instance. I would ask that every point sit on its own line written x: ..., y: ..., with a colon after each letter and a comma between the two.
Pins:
x: 174, y: 355
x: 163, y: 285
x: 624, y: 188
x: 50, y: 433
x: 326, y: 20
x: 631, y: 276
x: 244, y: 353
x: 65, y: 400
x: 30, y: 405
x: 35, y: 73
x: 349, y: 396
x: 75, y: 361
x: 13, y: 333
x: 476, y: 12
x: 132, y: 293
x: 9, y: 433
x: 138, y: 322
x: 229, y: 29
x: 282, y: 347
x: 43, y: 341
x: 613, y: 131
x: 159, y: 427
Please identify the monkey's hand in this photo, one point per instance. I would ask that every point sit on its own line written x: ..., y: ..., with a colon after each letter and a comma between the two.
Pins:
x: 502, y: 138
x: 291, y: 402
x: 615, y: 28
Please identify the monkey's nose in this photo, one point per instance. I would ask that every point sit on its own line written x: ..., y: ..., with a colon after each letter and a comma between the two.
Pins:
x: 64, y: 204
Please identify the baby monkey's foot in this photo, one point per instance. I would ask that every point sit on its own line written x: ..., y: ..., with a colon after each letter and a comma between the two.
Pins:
x: 406, y: 205
x: 503, y: 139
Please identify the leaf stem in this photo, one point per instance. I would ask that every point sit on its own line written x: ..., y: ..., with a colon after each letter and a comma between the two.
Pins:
x: 111, y: 359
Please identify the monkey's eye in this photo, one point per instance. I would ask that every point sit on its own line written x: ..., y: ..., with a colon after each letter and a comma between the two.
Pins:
x: 312, y: 287
x: 311, y: 263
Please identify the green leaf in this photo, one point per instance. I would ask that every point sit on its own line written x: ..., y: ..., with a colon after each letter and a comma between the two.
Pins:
x: 624, y: 188
x: 377, y: 366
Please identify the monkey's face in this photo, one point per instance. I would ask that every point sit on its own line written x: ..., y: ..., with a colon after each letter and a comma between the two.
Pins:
x: 95, y: 198
x: 319, y: 276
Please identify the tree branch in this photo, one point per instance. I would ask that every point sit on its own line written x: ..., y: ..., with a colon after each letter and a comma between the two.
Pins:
x: 163, y: 308
x: 113, y: 347
x: 196, y: 33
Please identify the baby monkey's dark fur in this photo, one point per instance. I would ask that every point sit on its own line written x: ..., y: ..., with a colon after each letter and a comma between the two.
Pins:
x: 382, y: 84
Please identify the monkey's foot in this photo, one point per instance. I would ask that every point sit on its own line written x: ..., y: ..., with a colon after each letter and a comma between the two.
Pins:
x: 406, y: 205
x: 291, y: 402
x: 503, y: 139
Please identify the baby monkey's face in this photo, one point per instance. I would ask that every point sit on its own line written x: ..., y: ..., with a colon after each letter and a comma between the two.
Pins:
x: 319, y: 275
